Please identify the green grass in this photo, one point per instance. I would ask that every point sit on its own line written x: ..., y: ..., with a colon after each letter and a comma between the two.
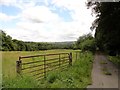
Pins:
x: 9, y: 59
x: 76, y: 76
x: 103, y: 62
x: 19, y: 82
x: 115, y: 60
x: 106, y: 72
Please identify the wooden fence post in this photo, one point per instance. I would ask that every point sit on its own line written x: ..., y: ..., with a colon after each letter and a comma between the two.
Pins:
x: 44, y: 67
x: 70, y: 59
x: 18, y: 66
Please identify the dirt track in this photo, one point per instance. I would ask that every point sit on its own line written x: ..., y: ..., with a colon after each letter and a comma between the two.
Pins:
x: 99, y: 79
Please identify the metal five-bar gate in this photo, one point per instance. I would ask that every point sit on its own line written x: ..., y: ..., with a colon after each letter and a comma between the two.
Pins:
x: 39, y: 65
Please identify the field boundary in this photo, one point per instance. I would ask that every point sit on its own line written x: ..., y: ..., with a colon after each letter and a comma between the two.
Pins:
x: 59, y: 62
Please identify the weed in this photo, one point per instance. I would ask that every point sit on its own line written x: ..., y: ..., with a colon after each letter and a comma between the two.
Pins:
x: 115, y: 60
x: 107, y: 73
x: 103, y: 62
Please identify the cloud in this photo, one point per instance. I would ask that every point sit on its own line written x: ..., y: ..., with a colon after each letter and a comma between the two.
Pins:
x: 60, y: 31
x: 40, y: 23
x: 5, y: 17
x: 79, y: 11
x: 21, y: 4
x: 7, y: 2
x: 40, y: 14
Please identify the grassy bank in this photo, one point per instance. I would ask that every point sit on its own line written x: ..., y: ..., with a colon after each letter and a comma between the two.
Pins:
x: 76, y: 76
x: 115, y: 60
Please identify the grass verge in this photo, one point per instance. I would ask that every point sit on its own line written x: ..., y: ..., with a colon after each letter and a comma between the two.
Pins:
x: 115, y: 60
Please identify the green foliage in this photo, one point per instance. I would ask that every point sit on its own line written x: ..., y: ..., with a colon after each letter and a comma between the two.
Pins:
x: 115, y: 60
x: 103, y: 62
x: 19, y: 82
x: 107, y: 26
x: 107, y: 73
x: 83, y: 38
x: 76, y: 76
x: 52, y: 77
x: 6, y: 42
x: 9, y: 44
x: 88, y: 45
x: 86, y: 42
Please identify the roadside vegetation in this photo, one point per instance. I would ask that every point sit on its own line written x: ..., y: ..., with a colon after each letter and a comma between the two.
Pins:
x: 115, y: 60
x: 76, y: 76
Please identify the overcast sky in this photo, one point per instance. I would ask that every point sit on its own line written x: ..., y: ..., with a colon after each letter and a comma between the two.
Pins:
x: 45, y: 20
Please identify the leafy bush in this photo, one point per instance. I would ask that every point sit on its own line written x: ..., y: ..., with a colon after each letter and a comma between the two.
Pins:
x: 88, y: 45
x: 86, y: 42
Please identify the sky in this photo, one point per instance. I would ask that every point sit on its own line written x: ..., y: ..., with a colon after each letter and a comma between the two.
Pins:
x: 45, y: 20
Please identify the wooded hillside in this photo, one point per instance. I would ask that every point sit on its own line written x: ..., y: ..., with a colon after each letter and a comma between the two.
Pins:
x: 9, y: 44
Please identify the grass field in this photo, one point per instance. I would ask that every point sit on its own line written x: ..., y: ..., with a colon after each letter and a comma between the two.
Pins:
x: 80, y: 72
x: 9, y: 59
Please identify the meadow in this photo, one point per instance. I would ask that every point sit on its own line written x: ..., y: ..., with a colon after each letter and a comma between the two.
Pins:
x: 76, y: 76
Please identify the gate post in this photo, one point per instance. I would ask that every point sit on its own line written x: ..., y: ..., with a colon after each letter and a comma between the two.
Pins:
x: 70, y: 59
x: 18, y: 66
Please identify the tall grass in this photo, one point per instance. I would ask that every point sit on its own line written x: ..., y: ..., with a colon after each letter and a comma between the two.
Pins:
x: 19, y: 82
x: 76, y: 76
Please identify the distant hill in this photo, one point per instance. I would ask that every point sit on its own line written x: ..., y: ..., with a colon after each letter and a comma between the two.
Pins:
x: 9, y: 44
x: 66, y: 42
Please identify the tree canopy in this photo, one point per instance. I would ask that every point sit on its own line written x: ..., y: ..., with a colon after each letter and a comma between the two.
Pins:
x: 107, y: 25
x: 86, y: 42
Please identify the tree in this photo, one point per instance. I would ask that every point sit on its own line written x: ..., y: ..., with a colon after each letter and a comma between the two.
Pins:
x: 107, y: 26
x: 86, y: 42
x: 9, y: 44
x: 6, y: 42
